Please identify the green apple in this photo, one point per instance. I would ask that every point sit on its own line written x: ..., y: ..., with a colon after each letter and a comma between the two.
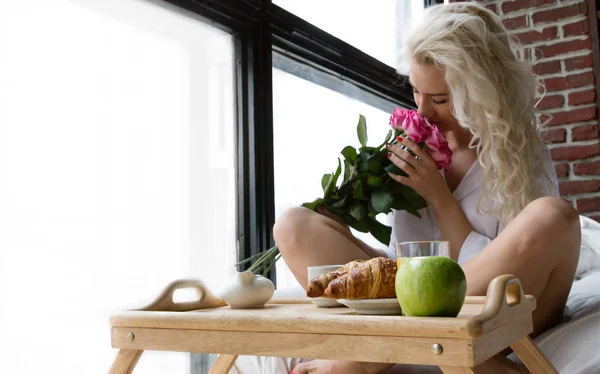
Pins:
x: 433, y: 286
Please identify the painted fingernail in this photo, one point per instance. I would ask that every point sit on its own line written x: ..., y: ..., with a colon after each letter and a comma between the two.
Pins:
x: 292, y: 372
x: 399, y: 138
x: 389, y: 154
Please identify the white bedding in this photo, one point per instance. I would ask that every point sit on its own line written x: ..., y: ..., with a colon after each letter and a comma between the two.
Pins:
x: 573, y: 347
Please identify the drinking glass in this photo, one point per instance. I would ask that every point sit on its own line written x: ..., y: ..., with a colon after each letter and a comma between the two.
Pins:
x: 421, y: 248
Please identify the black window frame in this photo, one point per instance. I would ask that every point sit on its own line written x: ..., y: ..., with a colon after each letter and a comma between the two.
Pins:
x: 259, y: 27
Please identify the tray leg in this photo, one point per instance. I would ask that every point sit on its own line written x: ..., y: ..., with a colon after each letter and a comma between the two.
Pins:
x: 125, y: 361
x: 456, y: 370
x: 223, y: 364
x: 531, y: 356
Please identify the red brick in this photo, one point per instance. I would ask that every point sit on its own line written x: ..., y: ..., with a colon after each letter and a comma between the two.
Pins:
x: 513, y: 6
x: 550, y: 67
x: 515, y: 23
x: 570, y: 81
x: 570, y: 153
x: 582, y: 97
x: 577, y: 28
x: 567, y: 188
x: 588, y: 205
x: 587, y: 168
x: 564, y: 47
x: 584, y: 132
x: 562, y: 170
x: 555, y: 135
x: 528, y: 37
x: 571, y: 116
x: 579, y: 62
x: 557, y: 14
x: 551, y: 102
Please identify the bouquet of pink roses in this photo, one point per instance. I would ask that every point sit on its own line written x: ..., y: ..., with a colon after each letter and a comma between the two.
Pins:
x: 366, y: 189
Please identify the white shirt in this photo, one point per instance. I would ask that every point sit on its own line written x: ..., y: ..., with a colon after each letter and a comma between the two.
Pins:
x: 486, y: 226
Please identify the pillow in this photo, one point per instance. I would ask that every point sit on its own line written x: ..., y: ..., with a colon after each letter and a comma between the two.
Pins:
x: 589, y: 256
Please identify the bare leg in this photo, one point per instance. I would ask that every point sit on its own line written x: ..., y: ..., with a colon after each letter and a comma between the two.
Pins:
x: 541, y: 247
x: 306, y: 238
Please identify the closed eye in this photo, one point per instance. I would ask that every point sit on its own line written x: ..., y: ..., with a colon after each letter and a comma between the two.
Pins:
x: 440, y: 102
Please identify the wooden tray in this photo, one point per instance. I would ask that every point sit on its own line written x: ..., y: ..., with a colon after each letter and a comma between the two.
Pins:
x: 296, y: 328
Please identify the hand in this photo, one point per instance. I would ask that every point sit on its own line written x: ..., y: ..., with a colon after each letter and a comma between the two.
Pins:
x: 423, y: 175
x: 339, y: 367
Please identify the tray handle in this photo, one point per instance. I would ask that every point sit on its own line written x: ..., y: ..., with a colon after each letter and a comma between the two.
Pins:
x: 504, y: 296
x: 165, y: 303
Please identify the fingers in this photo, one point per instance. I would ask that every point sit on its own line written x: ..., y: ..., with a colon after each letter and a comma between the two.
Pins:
x: 400, y: 179
x: 301, y: 368
x: 407, y: 167
x: 415, y: 149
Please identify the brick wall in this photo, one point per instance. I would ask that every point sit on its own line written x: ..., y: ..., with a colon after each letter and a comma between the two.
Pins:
x: 556, y: 34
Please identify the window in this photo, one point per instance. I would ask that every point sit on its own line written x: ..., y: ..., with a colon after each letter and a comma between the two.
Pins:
x: 117, y: 173
x: 310, y: 128
x: 373, y: 27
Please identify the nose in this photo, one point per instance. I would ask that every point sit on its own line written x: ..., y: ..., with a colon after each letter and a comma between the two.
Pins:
x: 425, y: 108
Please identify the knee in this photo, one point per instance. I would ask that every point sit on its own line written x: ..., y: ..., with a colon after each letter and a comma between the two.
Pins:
x: 290, y: 227
x: 553, y: 213
x: 554, y: 218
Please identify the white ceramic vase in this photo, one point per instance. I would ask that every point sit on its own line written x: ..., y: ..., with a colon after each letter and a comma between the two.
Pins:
x: 246, y: 290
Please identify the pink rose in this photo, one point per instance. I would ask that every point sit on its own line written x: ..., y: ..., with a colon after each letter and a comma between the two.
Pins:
x: 415, y: 126
x: 397, y: 118
x: 439, y: 149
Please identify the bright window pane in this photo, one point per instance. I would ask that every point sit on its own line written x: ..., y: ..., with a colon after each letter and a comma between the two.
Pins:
x: 308, y: 136
x: 374, y: 27
x: 116, y: 173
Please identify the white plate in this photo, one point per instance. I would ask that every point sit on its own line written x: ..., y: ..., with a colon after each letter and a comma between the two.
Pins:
x: 325, y: 302
x: 373, y: 306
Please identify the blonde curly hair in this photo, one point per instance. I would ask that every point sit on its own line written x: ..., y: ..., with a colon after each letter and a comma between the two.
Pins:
x: 492, y: 93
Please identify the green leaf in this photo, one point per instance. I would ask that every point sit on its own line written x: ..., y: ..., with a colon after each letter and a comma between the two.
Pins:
x: 338, y: 171
x: 381, y: 201
x: 363, y: 225
x: 362, y: 130
x: 413, y: 197
x: 325, y: 181
x: 374, y: 164
x: 362, y: 165
x: 366, y: 149
x: 380, y: 231
x: 387, y: 139
x: 374, y: 181
x: 400, y: 203
x: 340, y: 204
x: 404, y: 195
x: 348, y: 172
x: 313, y: 205
x: 357, y: 190
x: 392, y: 168
x: 350, y: 154
x: 358, y: 211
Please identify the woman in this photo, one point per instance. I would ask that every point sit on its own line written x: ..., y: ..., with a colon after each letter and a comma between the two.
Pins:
x: 497, y: 203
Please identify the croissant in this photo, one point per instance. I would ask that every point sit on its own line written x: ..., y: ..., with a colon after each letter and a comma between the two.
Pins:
x: 372, y: 279
x: 316, y: 287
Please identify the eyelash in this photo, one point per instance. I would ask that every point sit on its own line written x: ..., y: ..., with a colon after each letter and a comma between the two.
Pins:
x: 435, y: 102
